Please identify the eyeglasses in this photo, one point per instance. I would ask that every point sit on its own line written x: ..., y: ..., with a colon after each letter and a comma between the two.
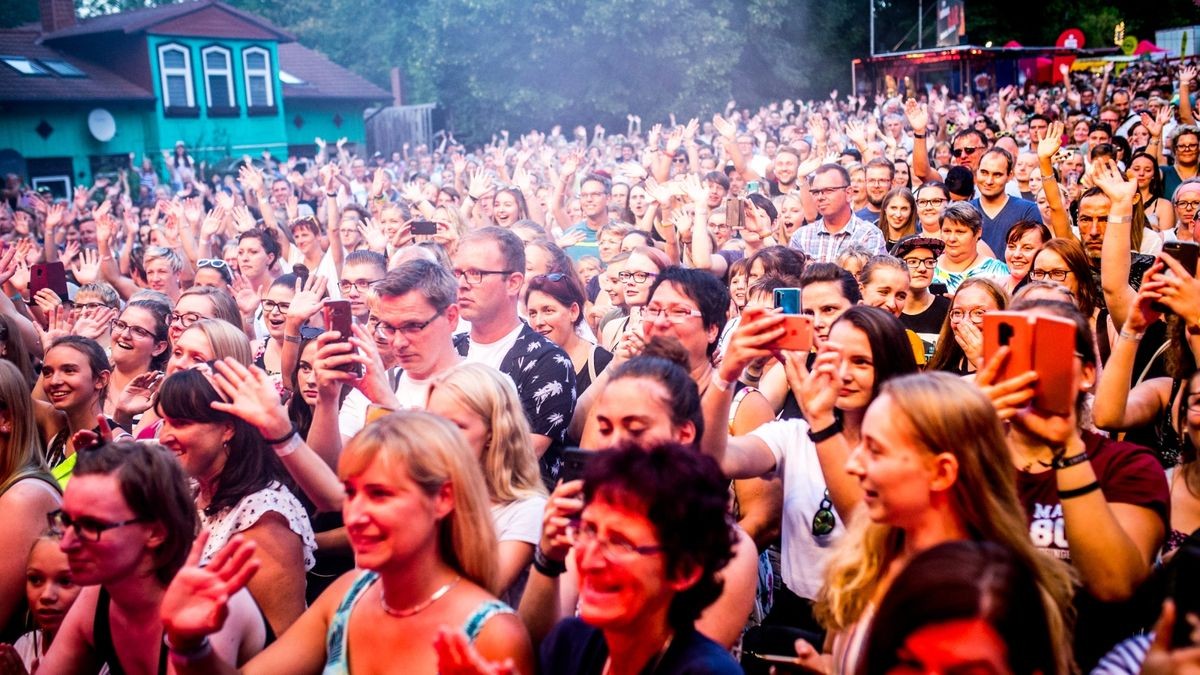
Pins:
x: 408, y: 329
x: 184, y: 320
x: 90, y: 305
x: 475, y: 277
x: 824, y: 192
x: 1191, y: 206
x: 1041, y: 275
x: 879, y: 181
x: 675, y: 315
x: 553, y: 277
x: 87, y: 529
x: 610, y: 550
x: 270, y: 307
x: 823, y: 520
x: 975, y: 314
x: 362, y: 285
x: 915, y: 263
x: 1186, y: 147
x: 959, y: 152
x: 119, y: 326
x: 639, y: 277
x: 926, y: 203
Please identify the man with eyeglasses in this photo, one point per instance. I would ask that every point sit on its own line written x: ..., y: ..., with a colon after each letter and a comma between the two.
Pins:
x: 838, y: 227
x: 1185, y: 148
x: 414, y: 313
x: 879, y: 174
x: 489, y: 265
x: 1000, y: 210
x: 593, y: 201
x: 127, y: 524
x: 361, y: 269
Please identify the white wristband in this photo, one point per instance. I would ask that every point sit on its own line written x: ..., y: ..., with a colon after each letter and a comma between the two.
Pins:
x: 289, y: 446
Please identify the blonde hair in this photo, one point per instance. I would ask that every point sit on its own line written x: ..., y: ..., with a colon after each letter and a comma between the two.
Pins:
x: 225, y: 339
x: 984, y: 496
x: 22, y: 453
x: 508, y: 461
x: 432, y: 452
x: 223, y: 304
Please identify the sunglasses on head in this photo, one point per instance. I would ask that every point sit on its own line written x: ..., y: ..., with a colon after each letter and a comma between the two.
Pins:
x: 215, y: 263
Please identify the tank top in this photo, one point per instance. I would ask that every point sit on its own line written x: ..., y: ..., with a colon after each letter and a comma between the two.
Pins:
x: 106, y: 652
x: 337, y: 646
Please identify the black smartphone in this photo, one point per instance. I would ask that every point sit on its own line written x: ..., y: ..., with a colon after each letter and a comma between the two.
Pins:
x: 339, y: 318
x: 939, y: 288
x: 424, y: 228
x: 574, y: 463
x: 1186, y: 254
x: 52, y: 275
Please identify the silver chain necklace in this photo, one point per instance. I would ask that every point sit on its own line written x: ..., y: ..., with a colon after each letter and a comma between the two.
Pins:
x: 416, y: 609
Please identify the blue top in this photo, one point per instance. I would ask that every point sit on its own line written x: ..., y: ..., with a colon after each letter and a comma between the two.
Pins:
x: 996, y: 229
x: 337, y: 648
x: 576, y: 648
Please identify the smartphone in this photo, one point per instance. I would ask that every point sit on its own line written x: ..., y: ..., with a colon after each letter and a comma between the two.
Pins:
x: 1037, y: 343
x: 1185, y: 591
x: 52, y: 275
x: 574, y: 463
x: 735, y: 213
x: 939, y: 288
x: 798, y: 328
x: 338, y: 318
x: 424, y: 228
x: 1186, y: 253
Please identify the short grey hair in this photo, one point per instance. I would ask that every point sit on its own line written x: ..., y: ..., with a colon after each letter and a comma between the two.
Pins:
x: 963, y: 212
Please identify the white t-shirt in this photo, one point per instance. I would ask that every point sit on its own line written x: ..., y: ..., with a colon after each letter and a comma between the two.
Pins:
x: 352, y: 416
x: 493, y: 354
x: 520, y: 520
x: 803, y: 554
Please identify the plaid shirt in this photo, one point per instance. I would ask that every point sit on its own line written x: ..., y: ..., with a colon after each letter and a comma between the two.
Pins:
x: 821, y: 245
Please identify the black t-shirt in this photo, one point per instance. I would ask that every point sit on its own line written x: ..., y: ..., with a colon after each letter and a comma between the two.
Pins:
x: 575, y: 648
x: 928, y: 324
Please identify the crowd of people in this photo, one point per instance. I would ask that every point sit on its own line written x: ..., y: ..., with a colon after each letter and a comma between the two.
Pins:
x: 535, y: 406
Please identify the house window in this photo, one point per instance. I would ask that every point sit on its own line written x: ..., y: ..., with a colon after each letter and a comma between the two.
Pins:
x: 175, y: 68
x: 23, y: 65
x: 218, y: 80
x: 256, y: 64
x: 63, y: 69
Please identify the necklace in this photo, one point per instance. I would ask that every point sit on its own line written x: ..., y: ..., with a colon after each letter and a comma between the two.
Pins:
x: 650, y: 667
x: 418, y: 608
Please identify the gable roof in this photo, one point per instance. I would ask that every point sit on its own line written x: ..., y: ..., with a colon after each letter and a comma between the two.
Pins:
x: 99, y: 84
x: 323, y: 79
x: 148, y: 19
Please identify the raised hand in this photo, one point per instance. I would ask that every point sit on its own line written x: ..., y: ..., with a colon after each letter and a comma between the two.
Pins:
x: 374, y: 235
x: 411, y: 192
x: 250, y: 179
x: 250, y: 394
x: 94, y: 322
x: 376, y: 184
x: 243, y: 219
x: 47, y: 300
x: 54, y: 215
x: 724, y: 127
x: 196, y: 603
x: 58, y: 324
x: 1051, y: 142
x: 1155, y: 125
x: 246, y: 296
x: 751, y: 342
x: 479, y: 185
x: 917, y: 115
x: 1187, y: 75
x: 694, y: 189
x: 69, y: 253
x: 1107, y: 176
x: 690, y: 129
x: 211, y: 224
x: 138, y: 395
x: 192, y: 211
x: 307, y: 300
x: 856, y: 132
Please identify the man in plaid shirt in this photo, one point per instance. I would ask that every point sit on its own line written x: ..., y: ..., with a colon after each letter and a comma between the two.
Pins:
x: 838, y: 227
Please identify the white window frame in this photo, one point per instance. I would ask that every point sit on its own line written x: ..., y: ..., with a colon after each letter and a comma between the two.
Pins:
x: 265, y: 74
x: 209, y: 73
x: 164, y: 72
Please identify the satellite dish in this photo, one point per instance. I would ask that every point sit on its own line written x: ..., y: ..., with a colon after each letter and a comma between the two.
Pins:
x: 102, y: 125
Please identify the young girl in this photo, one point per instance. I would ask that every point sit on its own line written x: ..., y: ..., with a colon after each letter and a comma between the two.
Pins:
x: 50, y: 590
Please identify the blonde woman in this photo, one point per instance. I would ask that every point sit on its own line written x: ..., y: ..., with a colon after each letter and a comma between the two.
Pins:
x: 484, y: 405
x: 931, y: 473
x: 416, y: 511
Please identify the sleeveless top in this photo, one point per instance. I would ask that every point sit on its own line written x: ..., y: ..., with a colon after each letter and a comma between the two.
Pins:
x: 337, y: 646
x: 106, y: 652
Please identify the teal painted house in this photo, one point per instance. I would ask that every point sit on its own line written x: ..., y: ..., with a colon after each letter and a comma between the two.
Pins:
x: 78, y: 96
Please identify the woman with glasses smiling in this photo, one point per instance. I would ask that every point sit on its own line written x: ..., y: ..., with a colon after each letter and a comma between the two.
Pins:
x: 929, y: 199
x: 139, y: 346
x: 960, y: 343
x: 1063, y: 261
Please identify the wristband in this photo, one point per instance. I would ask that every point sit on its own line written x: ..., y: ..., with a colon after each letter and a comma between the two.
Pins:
x: 1079, y: 491
x: 281, y: 439
x: 545, y: 566
x: 1060, y: 462
x: 294, y: 339
x: 916, y: 135
x: 1119, y: 220
x: 826, y: 433
x: 719, y: 382
x: 201, y: 651
x: 284, y: 449
x: 1130, y: 335
x: 330, y: 194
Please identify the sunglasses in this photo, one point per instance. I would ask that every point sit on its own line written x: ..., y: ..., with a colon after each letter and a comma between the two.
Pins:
x: 215, y: 263
x: 553, y: 278
x: 823, y: 520
x: 959, y: 152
